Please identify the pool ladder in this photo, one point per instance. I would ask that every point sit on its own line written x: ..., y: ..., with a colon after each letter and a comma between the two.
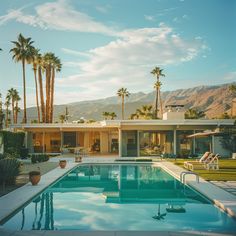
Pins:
x: 184, y: 173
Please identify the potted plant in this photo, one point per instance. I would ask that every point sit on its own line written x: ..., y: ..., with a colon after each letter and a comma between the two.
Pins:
x: 34, y: 177
x: 62, y: 163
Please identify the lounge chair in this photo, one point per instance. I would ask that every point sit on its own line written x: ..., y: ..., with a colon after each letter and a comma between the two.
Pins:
x: 203, y: 159
x: 210, y: 163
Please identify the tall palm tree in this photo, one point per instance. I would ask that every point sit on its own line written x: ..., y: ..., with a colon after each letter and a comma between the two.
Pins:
x: 145, y: 112
x: 23, y: 51
x: 194, y: 114
x: 40, y: 64
x: 48, y: 61
x: 158, y: 104
x: 1, y: 113
x: 17, y: 109
x: 123, y: 92
x: 56, y: 67
x: 35, y: 69
x: 12, y: 94
x: 7, y: 104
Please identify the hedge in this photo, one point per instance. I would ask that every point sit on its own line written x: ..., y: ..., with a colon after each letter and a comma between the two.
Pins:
x: 13, y: 142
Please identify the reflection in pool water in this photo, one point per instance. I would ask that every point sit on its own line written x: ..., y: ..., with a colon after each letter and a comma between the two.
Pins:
x: 120, y: 197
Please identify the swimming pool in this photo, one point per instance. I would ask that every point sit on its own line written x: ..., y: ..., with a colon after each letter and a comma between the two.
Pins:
x: 120, y: 197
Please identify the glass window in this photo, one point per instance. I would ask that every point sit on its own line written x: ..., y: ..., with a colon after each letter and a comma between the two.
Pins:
x: 129, y: 143
x: 184, y: 145
x: 155, y: 143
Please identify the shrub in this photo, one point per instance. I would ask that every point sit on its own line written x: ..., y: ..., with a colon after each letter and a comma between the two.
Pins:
x: 9, y: 169
x: 39, y: 158
x: 13, y: 142
x: 34, y: 172
x: 24, y: 152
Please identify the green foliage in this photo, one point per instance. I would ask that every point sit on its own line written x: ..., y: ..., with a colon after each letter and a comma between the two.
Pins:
x: 13, y: 142
x: 9, y: 169
x: 228, y: 140
x: 39, y: 158
x: 34, y: 172
x: 194, y: 114
x: 224, y: 116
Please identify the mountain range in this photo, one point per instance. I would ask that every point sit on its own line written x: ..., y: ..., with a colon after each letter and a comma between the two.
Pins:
x: 213, y: 100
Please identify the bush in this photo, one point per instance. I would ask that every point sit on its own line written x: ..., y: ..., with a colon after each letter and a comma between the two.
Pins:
x: 34, y: 172
x: 39, y: 158
x: 24, y: 152
x: 9, y: 169
x: 13, y: 142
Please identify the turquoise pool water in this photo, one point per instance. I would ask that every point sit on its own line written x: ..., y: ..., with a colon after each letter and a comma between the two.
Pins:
x: 120, y: 197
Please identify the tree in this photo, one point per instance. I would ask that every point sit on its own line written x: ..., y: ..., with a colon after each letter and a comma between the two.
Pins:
x: 113, y: 115
x: 7, y: 104
x: 17, y: 109
x: 1, y: 113
x: 145, y: 112
x: 62, y: 118
x: 194, y: 114
x: 40, y: 63
x: 56, y: 67
x: 23, y: 51
x: 158, y: 103
x: 13, y: 94
x: 35, y: 69
x: 105, y: 115
x: 123, y: 92
x: 225, y: 115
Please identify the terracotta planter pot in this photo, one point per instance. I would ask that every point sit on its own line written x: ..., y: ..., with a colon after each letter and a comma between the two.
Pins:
x: 34, y: 177
x: 78, y: 159
x: 62, y: 164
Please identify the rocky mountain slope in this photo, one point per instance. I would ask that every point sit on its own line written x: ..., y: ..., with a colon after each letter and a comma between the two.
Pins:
x: 214, y: 100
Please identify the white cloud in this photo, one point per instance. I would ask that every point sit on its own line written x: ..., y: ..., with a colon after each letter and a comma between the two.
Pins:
x: 128, y: 60
x: 103, y: 9
x: 149, y: 18
x: 58, y: 15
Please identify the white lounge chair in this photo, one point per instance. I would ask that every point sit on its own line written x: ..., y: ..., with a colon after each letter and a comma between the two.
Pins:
x: 203, y: 159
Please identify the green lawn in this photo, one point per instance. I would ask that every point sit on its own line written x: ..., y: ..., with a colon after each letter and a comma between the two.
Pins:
x: 227, y: 171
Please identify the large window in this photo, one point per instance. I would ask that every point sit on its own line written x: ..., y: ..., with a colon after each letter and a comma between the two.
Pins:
x: 129, y: 144
x: 155, y: 143
x: 69, y: 139
x: 184, y: 145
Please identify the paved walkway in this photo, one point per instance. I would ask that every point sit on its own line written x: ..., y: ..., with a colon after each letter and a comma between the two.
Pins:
x: 229, y: 186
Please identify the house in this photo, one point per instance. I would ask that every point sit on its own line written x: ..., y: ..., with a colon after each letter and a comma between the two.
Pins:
x: 129, y: 138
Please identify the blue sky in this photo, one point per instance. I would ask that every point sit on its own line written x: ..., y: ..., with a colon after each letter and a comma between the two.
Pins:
x: 105, y: 45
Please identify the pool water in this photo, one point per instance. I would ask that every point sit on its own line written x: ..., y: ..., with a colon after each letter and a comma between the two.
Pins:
x: 120, y: 197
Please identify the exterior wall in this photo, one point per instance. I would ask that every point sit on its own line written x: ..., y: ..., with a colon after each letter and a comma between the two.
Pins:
x: 104, y: 144
x: 173, y: 115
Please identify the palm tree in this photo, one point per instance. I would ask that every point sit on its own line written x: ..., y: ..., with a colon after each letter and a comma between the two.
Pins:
x: 112, y: 115
x: 134, y: 116
x: 17, y: 109
x: 56, y: 67
x: 105, y: 115
x: 145, y: 112
x: 158, y: 103
x: 194, y: 114
x: 7, y: 104
x: 40, y: 63
x: 1, y: 113
x: 12, y: 94
x: 35, y: 69
x: 123, y: 92
x: 62, y: 118
x: 23, y: 52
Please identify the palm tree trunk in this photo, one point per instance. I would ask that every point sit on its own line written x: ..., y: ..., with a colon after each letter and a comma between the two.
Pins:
x: 24, y: 88
x: 13, y: 112
x: 7, y: 117
x: 156, y: 104
x: 52, y: 95
x: 41, y: 94
x: 48, y: 78
x: 36, y: 90
x: 160, y: 102
x: 123, y: 108
x: 16, y: 113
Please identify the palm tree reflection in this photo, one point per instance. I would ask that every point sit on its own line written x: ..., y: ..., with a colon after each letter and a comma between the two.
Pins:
x: 159, y: 216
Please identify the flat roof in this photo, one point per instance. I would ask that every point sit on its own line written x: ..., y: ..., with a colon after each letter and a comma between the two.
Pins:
x: 123, y: 123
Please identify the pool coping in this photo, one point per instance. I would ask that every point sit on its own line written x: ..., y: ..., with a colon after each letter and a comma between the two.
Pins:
x: 12, y: 201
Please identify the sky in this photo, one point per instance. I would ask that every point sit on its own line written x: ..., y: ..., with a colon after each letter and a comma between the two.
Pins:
x: 108, y: 44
